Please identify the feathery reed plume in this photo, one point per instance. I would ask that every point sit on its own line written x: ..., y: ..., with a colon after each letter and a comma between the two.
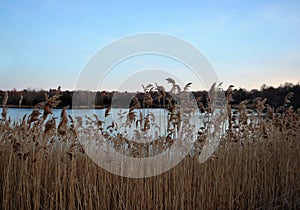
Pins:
x: 107, y: 111
x: 170, y: 80
x: 131, y: 116
x: 161, y: 94
x: 146, y: 123
x: 4, y: 111
x: 187, y: 86
x: 20, y: 101
x: 229, y: 93
x: 148, y: 100
x: 135, y: 103
x: 34, y: 116
x: 270, y: 112
x: 62, y: 126
x: 259, y: 104
x: 47, y: 110
x: 46, y: 96
x: 79, y: 121
x: 287, y: 98
x: 212, y: 91
x: 52, y: 102
x: 212, y: 94
x: 72, y: 125
x: 98, y: 121
x: 160, y: 89
x: 4, y: 102
x: 242, y: 106
x: 58, y: 91
x: 202, y: 107
x: 175, y: 88
x: 50, y: 125
x: 242, y: 109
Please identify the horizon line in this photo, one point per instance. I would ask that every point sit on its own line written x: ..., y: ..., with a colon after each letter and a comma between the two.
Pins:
x: 129, y: 91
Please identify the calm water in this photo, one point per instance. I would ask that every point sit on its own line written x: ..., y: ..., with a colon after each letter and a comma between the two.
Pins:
x: 158, y: 125
x: 160, y: 115
x: 16, y: 114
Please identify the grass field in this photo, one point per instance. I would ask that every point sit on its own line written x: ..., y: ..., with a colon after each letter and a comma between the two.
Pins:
x: 256, y: 166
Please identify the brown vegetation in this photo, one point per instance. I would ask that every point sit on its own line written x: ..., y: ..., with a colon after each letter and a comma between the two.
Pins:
x: 255, y: 167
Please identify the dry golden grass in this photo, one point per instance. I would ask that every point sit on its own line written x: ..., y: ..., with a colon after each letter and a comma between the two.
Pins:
x: 258, y: 175
x: 255, y: 167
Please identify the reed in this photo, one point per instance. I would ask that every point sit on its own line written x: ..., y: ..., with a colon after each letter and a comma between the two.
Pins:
x: 44, y: 166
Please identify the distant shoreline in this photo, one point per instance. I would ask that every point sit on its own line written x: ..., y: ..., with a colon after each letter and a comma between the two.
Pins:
x: 59, y: 107
x: 101, y: 100
x: 78, y: 107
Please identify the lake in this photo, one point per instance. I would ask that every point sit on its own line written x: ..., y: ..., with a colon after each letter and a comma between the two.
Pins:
x: 160, y: 116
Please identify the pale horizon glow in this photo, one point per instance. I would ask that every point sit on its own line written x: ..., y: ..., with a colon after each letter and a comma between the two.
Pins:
x: 44, y: 44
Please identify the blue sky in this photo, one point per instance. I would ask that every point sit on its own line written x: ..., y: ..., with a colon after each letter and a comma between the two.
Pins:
x: 44, y: 44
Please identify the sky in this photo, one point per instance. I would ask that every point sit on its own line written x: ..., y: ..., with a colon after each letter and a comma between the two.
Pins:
x: 44, y: 44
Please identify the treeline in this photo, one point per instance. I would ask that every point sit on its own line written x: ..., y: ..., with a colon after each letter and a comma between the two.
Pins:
x: 275, y: 96
x: 30, y: 98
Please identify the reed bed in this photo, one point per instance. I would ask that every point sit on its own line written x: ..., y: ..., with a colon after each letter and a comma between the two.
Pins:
x: 256, y: 166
